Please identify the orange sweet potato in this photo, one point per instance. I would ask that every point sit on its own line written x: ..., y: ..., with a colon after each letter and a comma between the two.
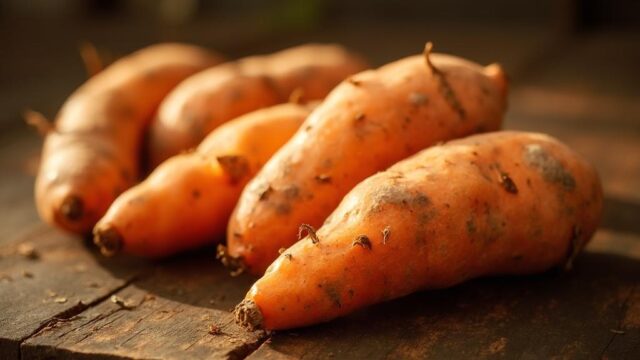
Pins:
x: 92, y: 152
x: 492, y: 204
x: 369, y: 122
x: 212, y: 97
x: 187, y: 200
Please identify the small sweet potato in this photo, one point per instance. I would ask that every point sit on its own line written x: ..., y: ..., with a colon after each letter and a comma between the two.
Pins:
x: 187, y: 200
x: 504, y: 203
x: 370, y: 121
x: 217, y: 95
x: 92, y: 152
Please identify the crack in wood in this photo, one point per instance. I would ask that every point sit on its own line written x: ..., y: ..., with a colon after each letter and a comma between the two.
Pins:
x: 71, y: 313
x: 623, y: 309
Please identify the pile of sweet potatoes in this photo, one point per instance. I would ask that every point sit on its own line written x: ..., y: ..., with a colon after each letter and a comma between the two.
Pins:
x: 341, y: 187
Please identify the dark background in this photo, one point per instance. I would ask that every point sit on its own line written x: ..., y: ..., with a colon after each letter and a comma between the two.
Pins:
x: 40, y: 66
x: 574, y: 65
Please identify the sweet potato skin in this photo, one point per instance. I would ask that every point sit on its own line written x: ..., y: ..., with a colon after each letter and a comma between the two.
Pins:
x: 499, y: 203
x: 366, y: 124
x: 92, y: 154
x: 186, y: 202
x: 217, y: 95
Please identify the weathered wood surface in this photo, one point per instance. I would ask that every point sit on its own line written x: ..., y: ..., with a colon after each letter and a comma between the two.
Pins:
x: 180, y: 310
x: 58, y: 303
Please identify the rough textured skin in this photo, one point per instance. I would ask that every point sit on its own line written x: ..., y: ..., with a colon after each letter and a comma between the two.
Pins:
x: 499, y: 203
x: 186, y: 202
x: 217, y: 95
x: 92, y: 154
x: 369, y: 122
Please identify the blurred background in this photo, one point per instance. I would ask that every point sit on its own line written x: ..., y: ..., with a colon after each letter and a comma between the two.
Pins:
x: 574, y: 64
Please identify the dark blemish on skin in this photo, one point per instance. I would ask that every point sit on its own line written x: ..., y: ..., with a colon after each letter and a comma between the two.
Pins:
x: 517, y: 257
x: 323, y: 178
x: 386, y: 233
x: 418, y: 98
x: 310, y: 230
x: 508, y: 184
x: 551, y: 169
x: 236, y: 167
x: 529, y: 182
x: 354, y: 82
x: 394, y: 195
x: 359, y: 117
x: 195, y: 193
x: 351, y: 293
x: 291, y: 191
x: 363, y: 241
x: 287, y: 256
x: 332, y: 293
x: 283, y: 208
x: 471, y: 226
x: 308, y: 128
x: 265, y: 193
x: 237, y: 235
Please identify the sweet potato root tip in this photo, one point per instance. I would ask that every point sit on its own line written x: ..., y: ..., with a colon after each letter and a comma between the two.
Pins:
x: 248, y: 315
x: 235, y: 264
x: 428, y: 48
x: 72, y: 208
x: 363, y: 241
x: 310, y: 230
x: 93, y: 64
x: 297, y: 96
x: 108, y: 239
x: 38, y: 121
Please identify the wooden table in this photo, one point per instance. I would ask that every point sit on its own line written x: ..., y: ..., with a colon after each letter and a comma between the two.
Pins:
x: 60, y: 299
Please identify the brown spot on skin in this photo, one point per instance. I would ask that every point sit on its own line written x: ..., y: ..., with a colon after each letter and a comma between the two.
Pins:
x: 283, y: 208
x: 333, y: 294
x: 310, y: 230
x: 196, y: 194
x: 471, y: 226
x: 551, y: 169
x: 323, y: 178
x: 363, y: 241
x: 237, y: 235
x: 508, y: 184
x: 359, y: 117
x: 291, y: 191
x: 236, y: 167
x: 265, y: 193
x: 386, y: 233
x: 354, y: 82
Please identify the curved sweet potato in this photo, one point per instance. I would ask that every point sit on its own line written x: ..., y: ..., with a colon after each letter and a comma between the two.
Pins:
x: 186, y: 201
x: 92, y: 153
x: 369, y: 122
x: 210, y: 98
x: 499, y: 203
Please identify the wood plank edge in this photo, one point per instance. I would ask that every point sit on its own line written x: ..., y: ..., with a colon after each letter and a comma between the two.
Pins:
x: 71, y: 313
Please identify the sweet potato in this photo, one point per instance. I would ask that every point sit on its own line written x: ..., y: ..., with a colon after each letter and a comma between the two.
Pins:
x: 187, y: 200
x: 212, y: 97
x: 366, y: 124
x: 505, y: 203
x: 92, y: 152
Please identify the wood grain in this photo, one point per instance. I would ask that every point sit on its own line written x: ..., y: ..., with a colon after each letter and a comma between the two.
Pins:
x: 179, y: 310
